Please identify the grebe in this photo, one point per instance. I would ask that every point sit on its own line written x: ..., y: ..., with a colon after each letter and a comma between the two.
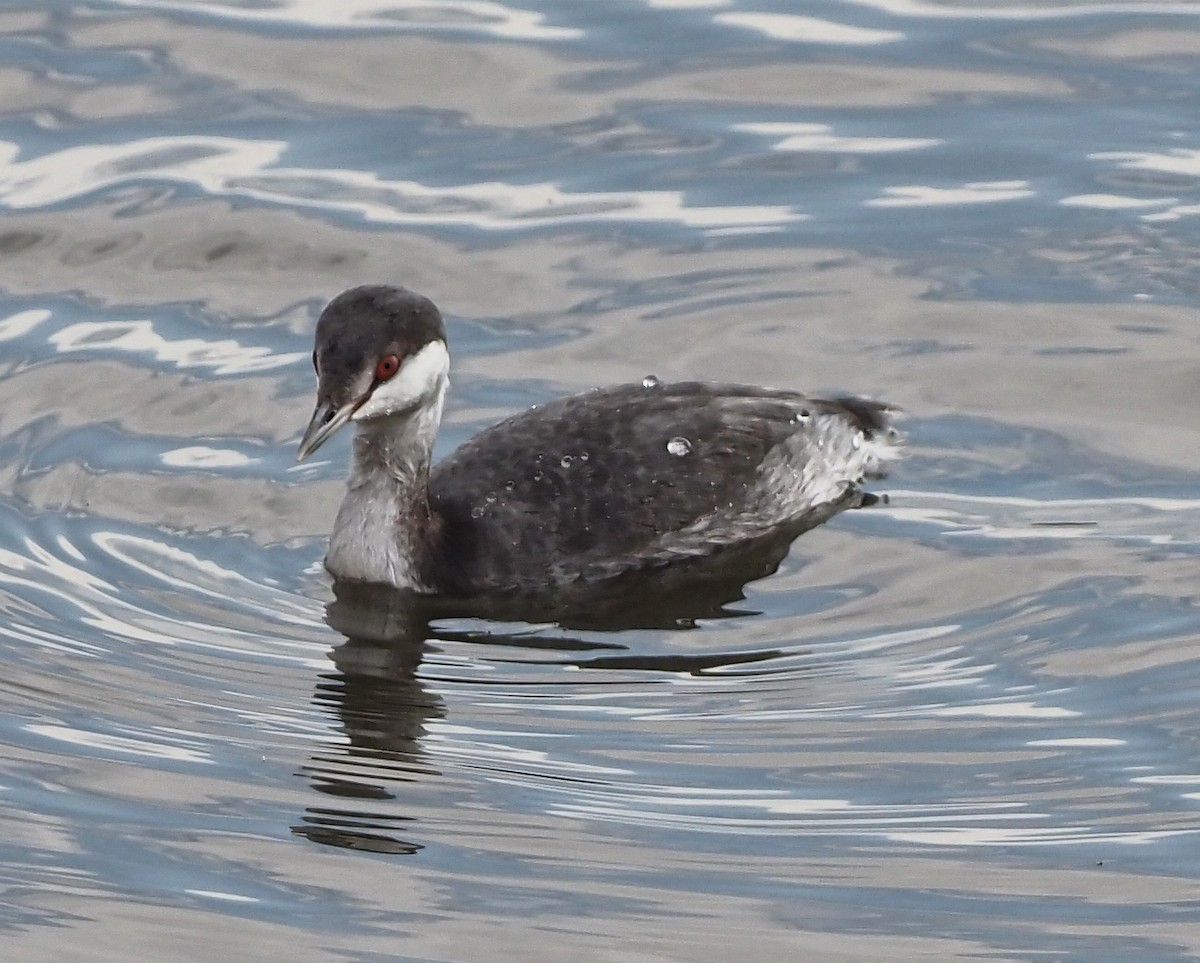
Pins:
x: 615, y: 482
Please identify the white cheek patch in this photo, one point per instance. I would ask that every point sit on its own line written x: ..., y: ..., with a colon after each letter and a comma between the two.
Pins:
x: 420, y: 380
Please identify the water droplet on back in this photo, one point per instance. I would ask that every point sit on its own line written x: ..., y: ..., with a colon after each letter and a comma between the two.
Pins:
x: 679, y: 446
x: 509, y: 485
x: 477, y: 511
x: 565, y: 461
x: 650, y: 381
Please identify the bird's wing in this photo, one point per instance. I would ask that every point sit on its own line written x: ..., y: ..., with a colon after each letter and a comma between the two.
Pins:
x: 616, y: 477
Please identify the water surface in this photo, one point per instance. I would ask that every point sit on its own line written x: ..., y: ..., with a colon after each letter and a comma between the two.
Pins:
x: 963, y: 726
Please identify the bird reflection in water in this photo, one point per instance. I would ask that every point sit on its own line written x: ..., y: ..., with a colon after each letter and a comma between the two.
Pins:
x: 385, y: 708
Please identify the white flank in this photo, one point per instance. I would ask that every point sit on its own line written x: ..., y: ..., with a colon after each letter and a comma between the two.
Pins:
x: 816, y: 467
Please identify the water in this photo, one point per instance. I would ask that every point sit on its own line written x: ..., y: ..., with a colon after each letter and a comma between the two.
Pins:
x: 962, y: 725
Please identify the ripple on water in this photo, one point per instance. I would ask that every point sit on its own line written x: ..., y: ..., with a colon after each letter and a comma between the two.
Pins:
x: 741, y: 740
x: 227, y: 167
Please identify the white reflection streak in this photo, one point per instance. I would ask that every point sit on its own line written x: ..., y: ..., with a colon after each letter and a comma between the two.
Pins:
x: 992, y: 710
x: 673, y: 804
x: 829, y: 811
x: 889, y: 640
x: 467, y: 16
x: 1177, y: 780
x: 812, y: 816
x: 1055, y: 836
x: 1114, y: 202
x: 295, y: 724
x: 704, y: 810
x: 687, y: 4
x: 63, y: 175
x: 444, y: 740
x: 200, y: 456
x: 821, y: 138
x: 221, y: 896
x: 490, y: 205
x: 976, y: 192
x: 793, y: 27
x: 1064, y: 518
x: 502, y: 768
x: 1173, y: 214
x: 223, y: 357
x: 229, y: 167
x: 123, y: 745
x: 19, y: 324
x: 1179, y: 162
x: 1041, y: 11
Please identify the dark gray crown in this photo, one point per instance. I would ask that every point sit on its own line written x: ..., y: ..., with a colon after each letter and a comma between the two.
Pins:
x: 363, y: 324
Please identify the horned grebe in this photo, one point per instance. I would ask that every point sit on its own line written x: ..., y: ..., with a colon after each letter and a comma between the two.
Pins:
x: 614, y: 482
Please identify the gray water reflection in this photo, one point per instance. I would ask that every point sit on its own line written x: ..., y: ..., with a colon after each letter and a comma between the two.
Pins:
x: 963, y: 725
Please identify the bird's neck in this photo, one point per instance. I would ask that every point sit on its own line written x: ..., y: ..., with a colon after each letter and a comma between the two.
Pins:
x: 396, y: 452
x: 385, y: 524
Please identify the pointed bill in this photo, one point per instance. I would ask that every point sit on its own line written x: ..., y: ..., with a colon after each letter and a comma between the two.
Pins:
x: 325, y: 421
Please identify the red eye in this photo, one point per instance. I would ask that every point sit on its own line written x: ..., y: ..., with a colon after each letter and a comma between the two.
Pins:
x: 388, y: 365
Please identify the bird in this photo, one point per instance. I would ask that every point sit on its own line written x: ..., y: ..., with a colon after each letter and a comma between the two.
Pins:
x: 613, y: 484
